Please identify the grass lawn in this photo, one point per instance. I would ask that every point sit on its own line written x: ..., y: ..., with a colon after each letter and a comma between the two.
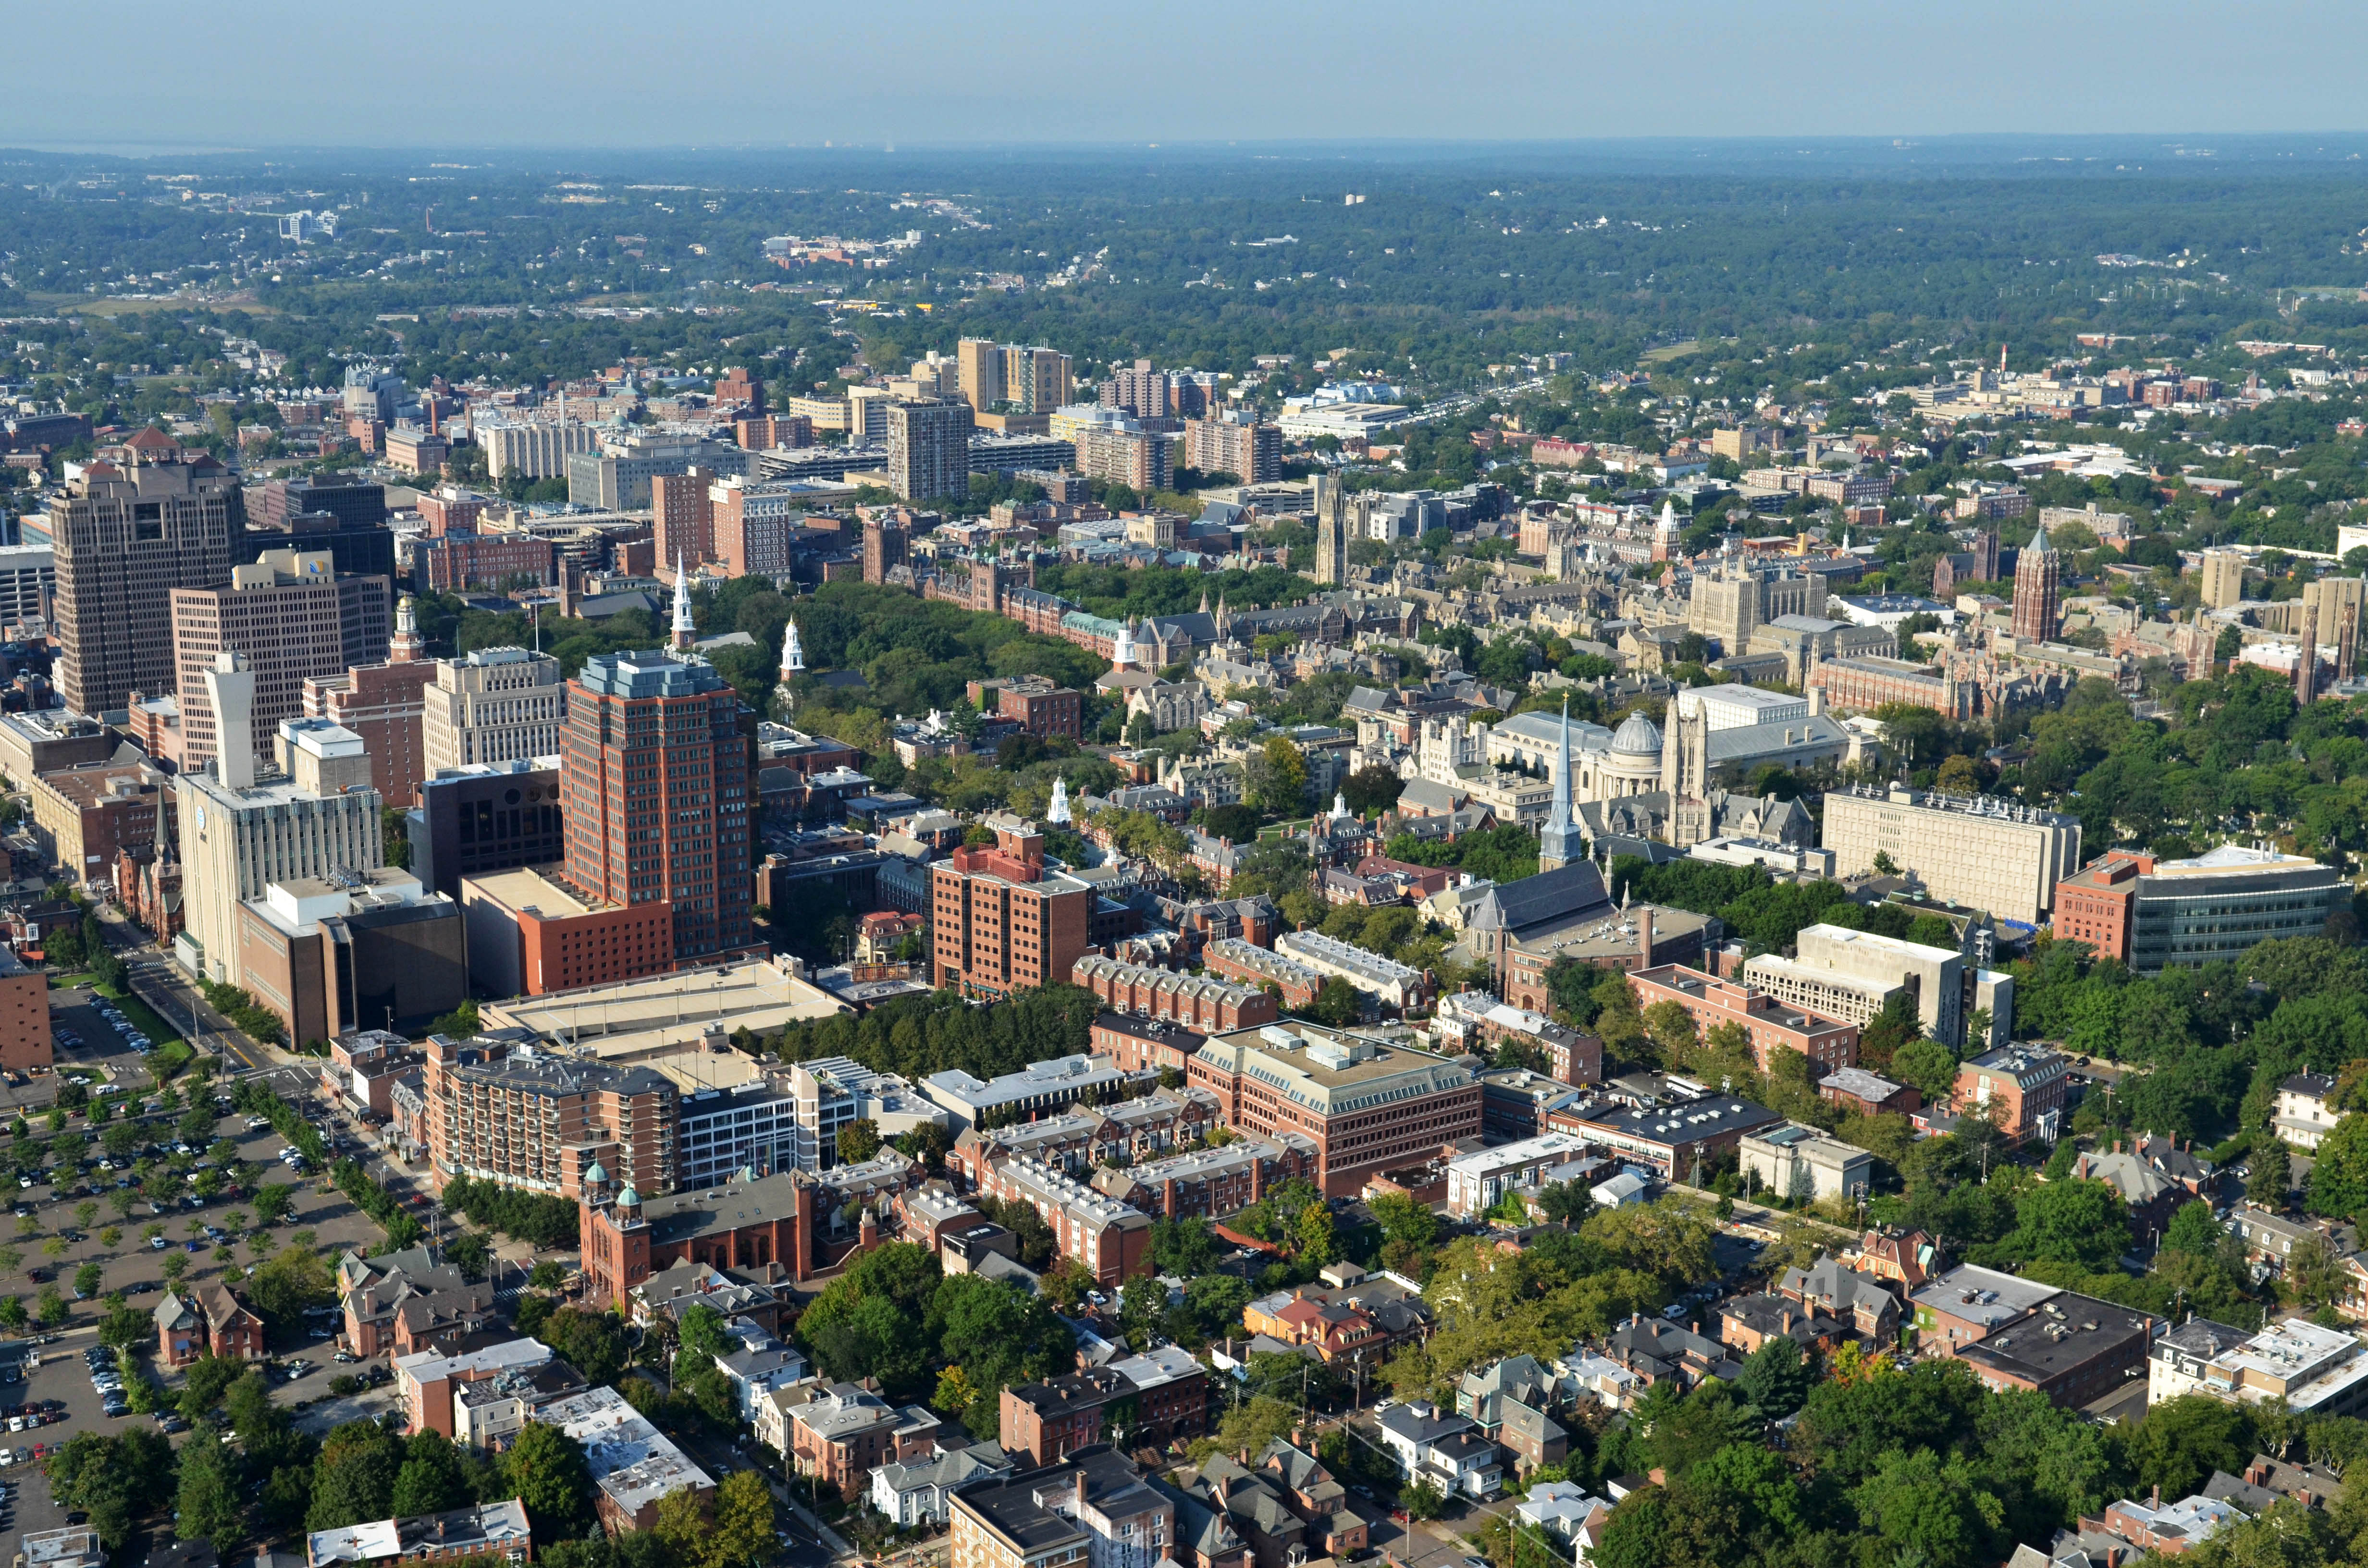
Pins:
x: 148, y: 1021
x: 68, y: 982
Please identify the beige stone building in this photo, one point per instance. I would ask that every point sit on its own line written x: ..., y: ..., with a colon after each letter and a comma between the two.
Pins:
x: 1978, y: 852
x: 495, y: 705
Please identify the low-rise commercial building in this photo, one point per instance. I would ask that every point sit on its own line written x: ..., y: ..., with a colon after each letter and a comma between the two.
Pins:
x: 1092, y: 1508
x: 485, y: 1533
x: 1040, y: 1086
x: 1772, y: 1024
x: 1367, y: 1106
x: 2320, y: 1371
x: 1798, y: 1162
x: 530, y: 934
x: 634, y: 1464
x: 1478, y: 1181
x: 1674, y: 1141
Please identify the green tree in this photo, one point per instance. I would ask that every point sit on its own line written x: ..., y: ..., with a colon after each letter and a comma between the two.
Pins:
x: 2182, y: 1440
x: 432, y: 1480
x: 2339, y: 1181
x: 209, y: 1378
x: 546, y: 1469
x: 858, y: 1141
x: 1777, y: 1377
x: 209, y: 1492
x: 741, y: 1532
x: 1926, y: 1066
x: 2194, y: 1230
x: 354, y: 1482
x: 2076, y: 1222
x: 2269, y: 1177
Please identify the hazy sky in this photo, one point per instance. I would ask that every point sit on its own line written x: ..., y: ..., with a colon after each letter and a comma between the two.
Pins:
x: 629, y: 73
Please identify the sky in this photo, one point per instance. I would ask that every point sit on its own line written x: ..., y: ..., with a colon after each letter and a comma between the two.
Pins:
x: 612, y: 74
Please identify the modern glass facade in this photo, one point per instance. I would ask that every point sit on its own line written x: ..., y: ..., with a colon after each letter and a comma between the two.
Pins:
x: 2185, y: 920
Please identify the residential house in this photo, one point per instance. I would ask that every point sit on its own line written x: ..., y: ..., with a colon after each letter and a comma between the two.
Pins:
x: 399, y: 1300
x: 1309, y: 1489
x: 1563, y: 1510
x: 912, y: 1493
x: 848, y: 1430
x: 1449, y: 1451
x: 1658, y: 1351
x: 1261, y: 1516
x: 212, y: 1322
x: 1512, y: 1402
x: 1869, y: 1311
x: 2305, y: 1110
x: 1746, y: 1323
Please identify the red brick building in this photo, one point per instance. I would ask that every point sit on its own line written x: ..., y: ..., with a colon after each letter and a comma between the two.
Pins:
x: 458, y: 562
x: 1366, y: 1107
x: 531, y: 935
x: 1771, y: 1025
x: 1186, y: 999
x: 683, y: 519
x: 386, y: 705
x: 2095, y: 905
x: 1033, y: 702
x: 1139, y: 1044
x: 1000, y: 919
x: 653, y: 777
x: 748, y: 1227
x: 2020, y: 1086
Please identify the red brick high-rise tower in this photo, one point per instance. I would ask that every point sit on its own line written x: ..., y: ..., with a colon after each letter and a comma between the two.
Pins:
x: 654, y: 776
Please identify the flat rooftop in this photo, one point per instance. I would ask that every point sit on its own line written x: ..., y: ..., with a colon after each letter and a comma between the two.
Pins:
x: 526, y: 887
x: 651, y: 1016
x: 1982, y: 1296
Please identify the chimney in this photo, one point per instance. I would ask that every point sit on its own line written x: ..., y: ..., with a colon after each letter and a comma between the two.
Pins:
x: 1645, y: 939
x: 230, y: 687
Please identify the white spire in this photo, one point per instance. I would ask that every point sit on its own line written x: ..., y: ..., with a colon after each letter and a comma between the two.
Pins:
x: 1123, y: 651
x: 1339, y: 806
x: 1057, y: 813
x: 793, y: 657
x: 685, y: 632
x: 1669, y: 517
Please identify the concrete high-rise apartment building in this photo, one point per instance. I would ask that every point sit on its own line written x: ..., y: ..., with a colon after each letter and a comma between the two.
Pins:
x: 1252, y: 453
x: 539, y: 449
x: 617, y: 478
x: 928, y: 448
x: 867, y: 414
x: 124, y: 539
x: 1140, y: 459
x: 655, y: 787
x: 1036, y: 381
x: 1003, y: 920
x: 979, y: 362
x: 294, y: 616
x: 2223, y: 578
x: 241, y: 832
x: 752, y: 524
x: 1031, y: 381
x: 386, y: 705
x: 681, y: 517
x: 496, y: 705
x: 1978, y: 851
x: 1143, y: 391
x: 2038, y: 590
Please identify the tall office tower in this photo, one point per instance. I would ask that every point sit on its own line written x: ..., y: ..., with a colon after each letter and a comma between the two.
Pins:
x: 294, y: 616
x: 386, y: 705
x: 496, y: 705
x: 981, y: 362
x: 928, y: 448
x: 1036, y: 381
x: 1143, y: 391
x: 239, y: 833
x: 125, y: 539
x: 886, y: 543
x: 1331, y: 529
x: 654, y: 785
x: 2038, y: 590
x: 682, y: 517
